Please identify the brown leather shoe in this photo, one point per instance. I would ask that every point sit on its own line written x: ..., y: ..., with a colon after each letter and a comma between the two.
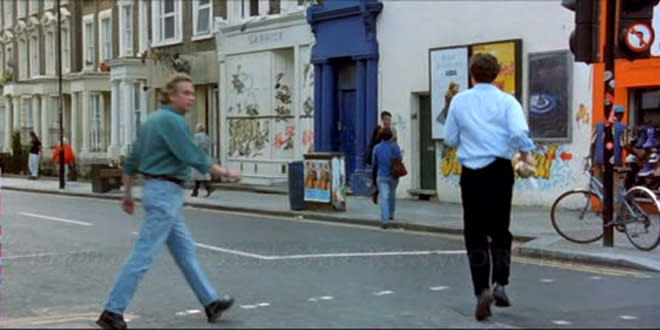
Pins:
x: 484, y: 301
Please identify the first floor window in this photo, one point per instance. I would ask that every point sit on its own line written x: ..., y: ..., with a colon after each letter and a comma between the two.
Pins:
x: 66, y: 51
x: 28, y: 121
x: 202, y: 11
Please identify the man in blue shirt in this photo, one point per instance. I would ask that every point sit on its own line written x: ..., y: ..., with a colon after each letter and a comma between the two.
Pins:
x: 163, y: 153
x: 487, y: 126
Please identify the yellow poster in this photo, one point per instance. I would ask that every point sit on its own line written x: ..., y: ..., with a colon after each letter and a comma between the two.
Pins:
x: 505, y: 52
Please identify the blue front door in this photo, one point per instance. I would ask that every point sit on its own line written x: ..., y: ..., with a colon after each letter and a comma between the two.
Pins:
x: 347, y: 132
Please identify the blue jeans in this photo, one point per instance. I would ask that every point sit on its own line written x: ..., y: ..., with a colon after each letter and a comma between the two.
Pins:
x: 387, y: 197
x: 162, y: 202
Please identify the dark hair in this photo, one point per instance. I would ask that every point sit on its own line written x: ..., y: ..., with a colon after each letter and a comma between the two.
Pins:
x: 385, y: 134
x: 384, y: 114
x: 33, y: 134
x: 484, y: 67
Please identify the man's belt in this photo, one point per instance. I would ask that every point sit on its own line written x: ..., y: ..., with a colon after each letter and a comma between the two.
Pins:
x: 162, y: 177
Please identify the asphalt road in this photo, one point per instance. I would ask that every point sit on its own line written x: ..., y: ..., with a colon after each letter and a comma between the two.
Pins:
x: 62, y: 254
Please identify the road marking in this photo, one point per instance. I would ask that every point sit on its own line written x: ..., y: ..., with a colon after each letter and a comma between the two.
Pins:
x: 628, y: 317
x: 562, y: 322
x: 547, y: 280
x: 230, y: 251
x: 263, y: 304
x: 596, y: 278
x: 600, y: 270
x: 31, y: 322
x: 248, y: 306
x: 643, y: 276
x: 45, y: 217
x: 327, y: 298
x: 189, y: 312
x: 383, y: 293
x: 438, y: 288
x: 364, y: 254
x: 313, y: 299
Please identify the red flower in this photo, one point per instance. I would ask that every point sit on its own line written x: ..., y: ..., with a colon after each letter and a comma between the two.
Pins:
x: 280, y: 140
x: 291, y: 131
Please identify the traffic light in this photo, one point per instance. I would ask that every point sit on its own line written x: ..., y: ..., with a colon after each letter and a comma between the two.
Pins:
x: 585, y: 39
x: 636, y: 35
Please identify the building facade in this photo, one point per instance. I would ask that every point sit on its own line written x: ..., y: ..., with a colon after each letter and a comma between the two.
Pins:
x: 417, y: 58
x: 266, y: 87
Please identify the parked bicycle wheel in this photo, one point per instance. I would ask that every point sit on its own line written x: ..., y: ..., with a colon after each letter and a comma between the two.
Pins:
x: 576, y: 218
x: 642, y: 219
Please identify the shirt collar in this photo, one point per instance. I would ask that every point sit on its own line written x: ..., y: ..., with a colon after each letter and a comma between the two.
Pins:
x: 167, y: 107
x: 484, y: 86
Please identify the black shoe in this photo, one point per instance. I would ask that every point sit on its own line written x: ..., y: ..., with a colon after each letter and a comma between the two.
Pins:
x: 216, y: 308
x: 501, y: 300
x: 482, y: 311
x: 111, y: 321
x: 193, y: 194
x: 385, y: 225
x: 209, y: 192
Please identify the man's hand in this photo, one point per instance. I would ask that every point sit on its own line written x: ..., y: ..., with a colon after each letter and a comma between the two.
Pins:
x: 218, y: 170
x: 528, y: 158
x: 234, y: 174
x: 128, y: 205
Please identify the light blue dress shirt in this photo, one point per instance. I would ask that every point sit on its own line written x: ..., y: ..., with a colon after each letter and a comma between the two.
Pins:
x: 485, y: 123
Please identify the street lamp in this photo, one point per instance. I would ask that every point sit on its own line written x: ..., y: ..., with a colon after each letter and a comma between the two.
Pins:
x: 59, y: 98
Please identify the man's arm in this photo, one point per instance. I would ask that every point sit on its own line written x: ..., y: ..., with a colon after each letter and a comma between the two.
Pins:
x: 452, y: 132
x: 181, y: 143
x: 519, y: 131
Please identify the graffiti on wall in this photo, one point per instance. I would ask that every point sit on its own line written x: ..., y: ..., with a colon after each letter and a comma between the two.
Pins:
x: 243, y: 93
x: 283, y: 98
x: 582, y: 116
x: 308, y: 87
x: 284, y: 140
x: 247, y: 137
x: 553, y: 167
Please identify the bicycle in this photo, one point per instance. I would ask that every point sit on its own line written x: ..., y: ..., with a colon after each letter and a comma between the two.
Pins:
x: 637, y: 213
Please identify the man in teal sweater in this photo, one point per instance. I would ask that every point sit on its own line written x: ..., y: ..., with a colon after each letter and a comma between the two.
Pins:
x: 163, y: 154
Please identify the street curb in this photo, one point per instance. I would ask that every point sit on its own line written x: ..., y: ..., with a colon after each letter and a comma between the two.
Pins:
x: 535, y: 249
x: 293, y: 214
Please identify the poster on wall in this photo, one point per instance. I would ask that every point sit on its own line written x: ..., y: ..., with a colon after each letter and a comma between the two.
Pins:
x: 508, y: 54
x: 549, y: 101
x: 655, y: 48
x: 448, y: 76
x: 317, y: 180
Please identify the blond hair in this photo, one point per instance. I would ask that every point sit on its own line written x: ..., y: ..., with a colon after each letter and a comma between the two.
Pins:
x: 199, y: 127
x: 171, y: 86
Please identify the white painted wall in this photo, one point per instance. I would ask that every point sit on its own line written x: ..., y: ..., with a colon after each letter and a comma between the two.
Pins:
x: 408, y: 29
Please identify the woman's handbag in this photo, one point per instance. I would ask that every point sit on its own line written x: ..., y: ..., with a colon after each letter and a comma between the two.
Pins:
x: 398, y: 169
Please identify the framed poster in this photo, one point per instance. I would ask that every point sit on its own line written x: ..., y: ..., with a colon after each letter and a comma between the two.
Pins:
x: 550, y: 86
x: 509, y: 55
x: 448, y: 74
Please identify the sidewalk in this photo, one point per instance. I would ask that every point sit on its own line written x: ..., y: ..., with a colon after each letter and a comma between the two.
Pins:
x: 530, y: 226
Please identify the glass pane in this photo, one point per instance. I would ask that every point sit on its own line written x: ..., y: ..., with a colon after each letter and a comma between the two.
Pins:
x: 204, y: 2
x: 254, y: 7
x: 203, y: 20
x: 274, y: 7
x: 168, y: 6
x: 169, y: 28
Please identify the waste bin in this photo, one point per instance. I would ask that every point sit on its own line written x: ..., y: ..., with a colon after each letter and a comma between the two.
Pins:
x: 296, y: 186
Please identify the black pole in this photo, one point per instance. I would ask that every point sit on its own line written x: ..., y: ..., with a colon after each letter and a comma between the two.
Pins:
x: 60, y: 98
x: 608, y: 229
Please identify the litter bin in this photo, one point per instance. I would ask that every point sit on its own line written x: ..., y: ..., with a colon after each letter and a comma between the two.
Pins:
x: 105, y: 178
x: 296, y: 186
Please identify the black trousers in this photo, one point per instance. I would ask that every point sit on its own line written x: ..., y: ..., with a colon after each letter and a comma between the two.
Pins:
x: 207, y: 186
x: 486, y: 195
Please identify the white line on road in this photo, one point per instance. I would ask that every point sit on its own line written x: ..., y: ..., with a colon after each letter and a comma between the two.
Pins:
x: 547, y: 280
x: 562, y: 322
x: 236, y: 252
x: 327, y: 298
x: 263, y: 304
x: 248, y: 306
x: 364, y: 254
x: 383, y: 293
x: 45, y: 217
x: 438, y: 288
x: 596, y: 278
x: 628, y: 317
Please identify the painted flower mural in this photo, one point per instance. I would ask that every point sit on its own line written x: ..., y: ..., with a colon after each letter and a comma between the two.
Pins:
x: 248, y: 137
x: 284, y: 140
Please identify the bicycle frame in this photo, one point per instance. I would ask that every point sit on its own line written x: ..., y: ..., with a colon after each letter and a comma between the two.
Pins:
x: 597, y: 187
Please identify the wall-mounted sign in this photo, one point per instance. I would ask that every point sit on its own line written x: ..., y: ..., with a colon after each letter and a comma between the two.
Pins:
x: 509, y: 55
x: 448, y: 76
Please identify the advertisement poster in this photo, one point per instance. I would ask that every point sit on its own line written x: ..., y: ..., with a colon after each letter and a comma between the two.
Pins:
x: 549, y: 101
x: 655, y: 49
x: 448, y: 76
x: 507, y: 54
x: 317, y: 180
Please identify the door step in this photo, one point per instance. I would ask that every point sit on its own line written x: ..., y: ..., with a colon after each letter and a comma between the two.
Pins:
x: 423, y: 194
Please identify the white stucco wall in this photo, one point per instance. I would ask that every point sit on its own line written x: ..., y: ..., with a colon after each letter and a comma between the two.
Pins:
x: 406, y: 32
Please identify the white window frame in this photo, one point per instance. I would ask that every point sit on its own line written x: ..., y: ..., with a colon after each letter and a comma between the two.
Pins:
x: 105, y: 41
x: 157, y: 18
x: 21, y: 8
x: 50, y: 40
x: 143, y: 24
x: 89, y: 46
x: 96, y: 122
x: 34, y: 49
x: 33, y: 7
x: 66, y: 47
x: 8, y: 13
x: 127, y: 29
x: 197, y: 7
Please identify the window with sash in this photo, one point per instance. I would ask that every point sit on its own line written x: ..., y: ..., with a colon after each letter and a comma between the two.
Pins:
x: 166, y: 22
x: 96, y: 125
x: 89, y: 41
x: 202, y: 17
x: 34, y: 56
x: 106, y: 39
x: 126, y: 31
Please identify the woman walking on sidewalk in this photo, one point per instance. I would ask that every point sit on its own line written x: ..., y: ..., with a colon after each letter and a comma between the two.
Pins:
x: 487, y: 126
x: 204, y: 143
x: 33, y: 157
x: 383, y: 178
x: 164, y: 152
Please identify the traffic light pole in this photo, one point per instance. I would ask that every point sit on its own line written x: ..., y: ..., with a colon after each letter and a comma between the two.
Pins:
x: 608, y: 182
x: 60, y: 100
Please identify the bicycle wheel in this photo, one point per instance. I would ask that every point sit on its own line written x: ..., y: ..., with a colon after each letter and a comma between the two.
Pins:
x: 642, y: 218
x: 576, y: 218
